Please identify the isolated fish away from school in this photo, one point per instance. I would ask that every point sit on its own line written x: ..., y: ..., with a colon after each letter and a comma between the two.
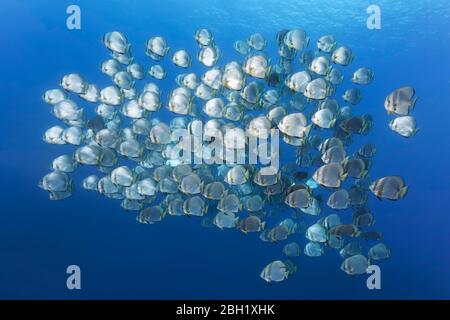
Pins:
x: 218, y: 116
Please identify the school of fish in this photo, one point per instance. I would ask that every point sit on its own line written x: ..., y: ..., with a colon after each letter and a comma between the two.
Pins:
x: 294, y: 93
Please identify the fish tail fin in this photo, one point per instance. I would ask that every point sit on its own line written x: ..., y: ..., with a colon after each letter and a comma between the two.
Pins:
x: 415, y: 131
x: 345, y: 161
x: 278, y: 174
x: 307, y: 130
x: 364, y: 173
x: 330, y: 67
x: 403, y: 191
x: 267, y: 74
x: 413, y: 102
x: 333, y: 123
x: 102, y: 156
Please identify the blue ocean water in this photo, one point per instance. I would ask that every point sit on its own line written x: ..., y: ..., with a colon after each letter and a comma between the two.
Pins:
x: 177, y: 258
